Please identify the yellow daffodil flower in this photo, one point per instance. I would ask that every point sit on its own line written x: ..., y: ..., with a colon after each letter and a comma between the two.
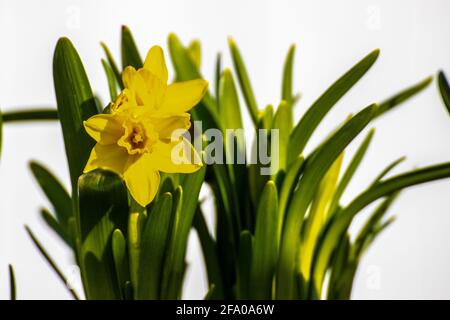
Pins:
x: 136, y: 139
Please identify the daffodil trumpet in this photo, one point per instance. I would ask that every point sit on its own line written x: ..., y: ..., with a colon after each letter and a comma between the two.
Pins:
x: 141, y: 135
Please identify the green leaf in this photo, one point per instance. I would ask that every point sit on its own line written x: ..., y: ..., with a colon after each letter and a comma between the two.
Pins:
x: 229, y: 102
x: 155, y: 237
x: 103, y: 209
x: 209, y: 250
x: 50, y: 262
x: 314, y: 171
x: 186, y: 70
x: 56, y: 226
x: 386, y: 170
x: 112, y: 64
x: 244, y: 81
x: 195, y: 52
x: 265, y: 247
x: 444, y: 88
x: 318, y: 215
x: 111, y: 80
x: 217, y: 76
x: 119, y: 249
x: 184, y: 211
x: 289, y: 183
x: 283, y: 122
x: 244, y: 264
x: 56, y: 194
x: 371, y: 224
x: 30, y: 115
x: 287, y: 86
x: 402, y: 96
x: 12, y: 283
x: 312, y: 118
x: 350, y: 171
x: 76, y: 103
x: 130, y: 53
x: 338, y: 226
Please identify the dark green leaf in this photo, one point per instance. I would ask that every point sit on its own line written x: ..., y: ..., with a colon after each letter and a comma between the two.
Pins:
x: 244, y: 264
x: 103, y: 208
x: 56, y: 226
x: 76, y: 103
x: 309, y: 122
x: 444, y: 89
x: 50, y: 262
x: 112, y: 64
x: 30, y: 115
x: 12, y: 283
x: 119, y: 249
x: 130, y: 53
x: 244, y: 81
x: 155, y: 237
x: 111, y: 80
x: 265, y: 247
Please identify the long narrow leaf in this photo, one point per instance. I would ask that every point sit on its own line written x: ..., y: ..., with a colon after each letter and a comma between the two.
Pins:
x: 130, y: 53
x: 309, y: 122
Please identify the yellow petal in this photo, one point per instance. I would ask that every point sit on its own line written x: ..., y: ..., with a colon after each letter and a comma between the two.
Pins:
x: 166, y: 126
x: 104, y: 128
x: 109, y: 157
x: 137, y: 85
x: 175, y: 157
x: 142, y: 180
x: 156, y: 64
x: 182, y: 96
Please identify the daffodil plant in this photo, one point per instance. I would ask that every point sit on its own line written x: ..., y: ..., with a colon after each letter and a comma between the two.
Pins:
x: 136, y: 178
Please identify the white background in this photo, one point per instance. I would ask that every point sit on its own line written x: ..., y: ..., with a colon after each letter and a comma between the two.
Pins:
x: 410, y: 260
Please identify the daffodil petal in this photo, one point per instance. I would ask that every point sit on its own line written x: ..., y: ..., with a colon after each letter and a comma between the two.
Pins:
x: 183, y: 96
x: 175, y: 157
x: 168, y: 125
x: 109, y: 157
x: 103, y: 128
x: 156, y: 64
x: 142, y: 180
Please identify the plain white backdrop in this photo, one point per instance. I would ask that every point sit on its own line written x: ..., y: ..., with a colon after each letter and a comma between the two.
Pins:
x: 410, y: 260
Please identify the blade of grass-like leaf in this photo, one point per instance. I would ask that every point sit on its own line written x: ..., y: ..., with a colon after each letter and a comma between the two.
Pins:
x: 155, y: 237
x: 185, y: 208
x: 56, y: 226
x: 338, y: 226
x: 30, y: 115
x: 209, y: 251
x: 76, y: 103
x: 309, y: 122
x: 402, y: 96
x: 50, y: 262
x: 244, y: 81
x: 282, y: 122
x: 112, y: 64
x: 287, y: 190
x: 287, y: 86
x: 186, y: 70
x: 265, y: 248
x: 12, y: 283
x: 386, y: 170
x: 218, y: 73
x: 119, y: 249
x: 229, y: 102
x: 130, y: 53
x: 371, y: 224
x: 444, y: 88
x: 111, y: 80
x: 103, y: 208
x: 314, y: 171
x: 318, y: 215
x: 350, y: 171
x: 195, y: 52
x: 55, y: 192
x: 244, y: 265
